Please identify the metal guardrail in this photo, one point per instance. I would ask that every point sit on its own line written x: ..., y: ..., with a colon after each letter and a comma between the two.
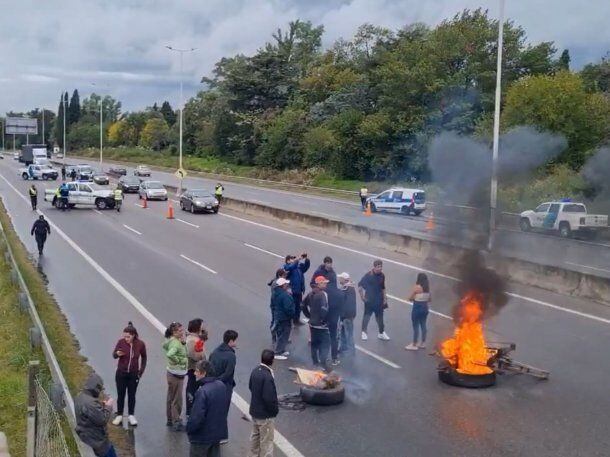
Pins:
x: 26, y: 302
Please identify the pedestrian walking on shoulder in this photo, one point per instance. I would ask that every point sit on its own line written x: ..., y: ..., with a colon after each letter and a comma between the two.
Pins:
x: 92, y: 413
x: 223, y: 361
x: 263, y: 407
x: 207, y: 424
x: 348, y: 313
x: 280, y: 273
x: 327, y: 271
x: 364, y: 194
x: 176, y: 368
x: 372, y: 293
x: 130, y: 351
x: 315, y: 308
x: 195, y: 351
x: 40, y: 230
x: 63, y: 172
x: 33, y: 196
x: 420, y: 296
x: 296, y: 267
x: 283, y: 306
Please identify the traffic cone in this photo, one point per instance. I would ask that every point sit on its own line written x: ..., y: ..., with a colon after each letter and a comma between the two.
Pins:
x: 144, y: 203
x: 367, y: 209
x: 430, y: 224
x: 170, y: 211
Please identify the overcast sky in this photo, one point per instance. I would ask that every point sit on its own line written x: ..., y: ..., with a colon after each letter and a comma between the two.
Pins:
x: 47, y: 46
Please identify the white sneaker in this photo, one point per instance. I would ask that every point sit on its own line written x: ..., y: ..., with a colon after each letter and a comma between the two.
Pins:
x: 383, y: 336
x: 411, y: 347
x: 364, y: 336
x: 118, y: 420
x: 132, y: 420
x: 280, y: 357
x: 422, y: 345
x: 224, y: 441
x: 304, y: 320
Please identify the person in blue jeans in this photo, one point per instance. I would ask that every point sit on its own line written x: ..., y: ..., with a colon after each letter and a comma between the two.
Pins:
x: 420, y: 296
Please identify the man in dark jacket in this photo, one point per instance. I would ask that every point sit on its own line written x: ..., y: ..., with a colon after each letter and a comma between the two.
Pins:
x: 372, y: 293
x: 315, y: 308
x: 92, y: 414
x: 64, y: 195
x: 283, y: 312
x: 207, y: 424
x: 263, y: 407
x: 348, y: 313
x: 335, y: 308
x: 296, y: 268
x: 223, y: 362
x: 326, y: 270
x: 40, y: 230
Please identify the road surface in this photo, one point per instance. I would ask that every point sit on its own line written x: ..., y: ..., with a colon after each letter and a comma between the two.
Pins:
x: 107, y: 268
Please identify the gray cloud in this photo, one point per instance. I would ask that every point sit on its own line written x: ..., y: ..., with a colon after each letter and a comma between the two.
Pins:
x: 55, y: 45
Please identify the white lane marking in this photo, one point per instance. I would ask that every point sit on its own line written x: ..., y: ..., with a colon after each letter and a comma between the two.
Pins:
x: 198, y: 264
x: 187, y: 223
x: 141, y: 206
x: 98, y: 212
x: 378, y: 357
x: 175, y: 201
x: 132, y: 229
x: 318, y: 213
x: 280, y: 441
x: 263, y: 250
x: 410, y: 303
x: 413, y: 267
x: 587, y: 266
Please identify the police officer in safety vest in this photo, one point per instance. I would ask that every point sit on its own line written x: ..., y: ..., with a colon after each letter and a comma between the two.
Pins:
x: 218, y: 192
x: 364, y: 194
x: 33, y: 196
x: 118, y: 198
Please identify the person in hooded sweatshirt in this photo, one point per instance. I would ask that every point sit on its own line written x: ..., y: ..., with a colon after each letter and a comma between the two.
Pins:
x: 296, y: 267
x: 92, y: 413
x: 326, y: 270
x: 348, y: 313
x: 176, y: 370
x: 223, y: 362
x: 280, y: 273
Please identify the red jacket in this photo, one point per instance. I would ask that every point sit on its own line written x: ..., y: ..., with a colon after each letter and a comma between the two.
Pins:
x: 129, y: 362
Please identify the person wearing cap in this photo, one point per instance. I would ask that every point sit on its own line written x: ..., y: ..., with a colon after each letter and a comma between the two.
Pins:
x: 348, y: 313
x: 327, y: 271
x: 315, y: 308
x: 283, y: 313
x: 372, y: 293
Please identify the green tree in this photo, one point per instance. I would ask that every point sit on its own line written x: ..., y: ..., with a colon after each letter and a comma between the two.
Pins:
x: 281, y: 145
x: 111, y: 107
x: 561, y: 104
x: 319, y: 144
x: 83, y: 135
x: 74, y: 108
x: 564, y: 61
x: 596, y: 76
x: 168, y: 113
x: 58, y: 130
x: 154, y: 134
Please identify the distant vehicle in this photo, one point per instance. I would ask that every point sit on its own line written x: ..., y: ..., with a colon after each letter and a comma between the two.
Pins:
x: 84, y: 173
x: 59, y: 155
x: 563, y: 217
x: 152, y: 190
x: 197, y: 200
x: 16, y: 155
x: 83, y: 194
x: 100, y: 178
x: 142, y: 170
x: 129, y: 184
x: 56, y: 150
x: 42, y: 172
x: 29, y: 152
x: 399, y: 199
x: 42, y: 161
x: 117, y: 171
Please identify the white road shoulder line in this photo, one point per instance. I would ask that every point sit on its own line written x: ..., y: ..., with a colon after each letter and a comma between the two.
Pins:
x: 377, y: 357
x: 281, y: 442
x: 185, y: 222
x: 132, y: 229
x: 198, y: 264
x: 407, y: 302
x: 412, y: 267
x: 263, y: 250
x: 587, y: 266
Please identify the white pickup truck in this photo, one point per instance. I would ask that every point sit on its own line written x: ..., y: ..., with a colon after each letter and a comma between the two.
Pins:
x: 83, y: 194
x: 36, y: 171
x: 565, y: 217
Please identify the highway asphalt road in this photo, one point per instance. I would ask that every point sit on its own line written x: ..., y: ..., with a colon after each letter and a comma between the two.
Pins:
x: 107, y: 268
x: 578, y: 255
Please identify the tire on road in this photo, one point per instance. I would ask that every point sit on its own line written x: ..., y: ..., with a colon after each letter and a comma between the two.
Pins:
x: 454, y: 378
x: 524, y: 224
x: 192, y: 209
x: 24, y: 176
x: 564, y: 230
x: 406, y: 210
x: 373, y: 208
x: 101, y: 203
x: 418, y: 212
x: 323, y: 397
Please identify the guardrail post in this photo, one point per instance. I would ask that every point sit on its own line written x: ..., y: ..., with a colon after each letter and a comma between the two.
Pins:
x: 14, y: 276
x: 35, y: 337
x: 24, y: 305
x: 30, y: 448
x: 33, y: 368
x: 56, y: 395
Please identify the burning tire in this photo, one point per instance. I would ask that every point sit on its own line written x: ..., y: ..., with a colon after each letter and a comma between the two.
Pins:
x: 323, y: 397
x: 472, y: 381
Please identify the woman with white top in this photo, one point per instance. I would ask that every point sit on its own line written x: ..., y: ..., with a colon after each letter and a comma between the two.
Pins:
x: 420, y: 296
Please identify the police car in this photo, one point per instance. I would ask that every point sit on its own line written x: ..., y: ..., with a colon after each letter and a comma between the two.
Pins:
x: 399, y: 200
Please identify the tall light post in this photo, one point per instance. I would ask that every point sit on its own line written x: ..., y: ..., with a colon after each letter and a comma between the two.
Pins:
x: 496, y: 132
x: 101, y: 129
x: 181, y: 51
x: 64, y: 116
x: 43, y: 127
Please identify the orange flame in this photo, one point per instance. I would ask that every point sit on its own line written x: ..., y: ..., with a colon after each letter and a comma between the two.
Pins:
x: 467, y: 351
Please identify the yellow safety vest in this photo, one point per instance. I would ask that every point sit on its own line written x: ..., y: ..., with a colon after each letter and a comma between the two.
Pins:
x: 32, y: 192
x: 364, y: 192
x: 218, y: 190
x: 118, y: 194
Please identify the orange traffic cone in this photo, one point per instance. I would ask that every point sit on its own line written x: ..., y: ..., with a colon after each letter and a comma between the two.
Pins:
x: 144, y: 203
x: 430, y: 225
x: 367, y: 209
x: 170, y: 211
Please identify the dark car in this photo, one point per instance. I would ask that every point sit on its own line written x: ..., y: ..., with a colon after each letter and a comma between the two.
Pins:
x: 101, y: 178
x: 129, y: 184
x: 198, y: 200
x: 117, y: 171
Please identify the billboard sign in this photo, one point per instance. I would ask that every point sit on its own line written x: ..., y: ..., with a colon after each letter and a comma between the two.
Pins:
x: 21, y: 126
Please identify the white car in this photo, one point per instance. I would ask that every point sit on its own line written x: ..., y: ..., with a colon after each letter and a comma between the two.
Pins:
x: 83, y: 194
x: 400, y: 200
x: 152, y: 190
x: 142, y: 170
x: 564, y: 217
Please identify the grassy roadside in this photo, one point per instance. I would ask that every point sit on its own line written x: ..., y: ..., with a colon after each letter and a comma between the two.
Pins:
x: 14, y: 335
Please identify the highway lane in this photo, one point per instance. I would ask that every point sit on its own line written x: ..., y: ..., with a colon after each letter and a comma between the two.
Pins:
x: 578, y: 255
x: 403, y: 409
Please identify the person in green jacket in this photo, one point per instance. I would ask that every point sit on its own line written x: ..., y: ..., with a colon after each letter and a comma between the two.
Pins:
x: 177, y: 364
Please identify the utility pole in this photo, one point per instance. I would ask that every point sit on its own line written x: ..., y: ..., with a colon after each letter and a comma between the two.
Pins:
x: 496, y: 132
x: 101, y: 131
x: 43, y: 142
x: 65, y: 149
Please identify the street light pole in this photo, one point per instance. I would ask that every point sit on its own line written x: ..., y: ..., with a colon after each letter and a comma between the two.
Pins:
x: 43, y: 127
x: 64, y: 116
x: 181, y: 51
x: 101, y: 132
x: 496, y: 132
